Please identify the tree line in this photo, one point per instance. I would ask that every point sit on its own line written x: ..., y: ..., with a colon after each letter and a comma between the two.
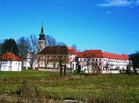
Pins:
x: 24, y: 45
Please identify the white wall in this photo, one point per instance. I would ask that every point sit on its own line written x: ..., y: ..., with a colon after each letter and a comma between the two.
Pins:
x: 11, y: 66
x: 112, y: 63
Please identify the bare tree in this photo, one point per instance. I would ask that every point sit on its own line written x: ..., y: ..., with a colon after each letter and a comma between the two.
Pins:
x: 61, y: 44
x: 24, y: 48
x: 34, y: 43
x: 50, y: 41
x: 33, y: 48
x: 62, y: 59
x: 93, y: 65
x: 28, y: 47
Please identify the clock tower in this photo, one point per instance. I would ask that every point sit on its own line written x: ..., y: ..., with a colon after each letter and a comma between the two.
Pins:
x: 41, y: 41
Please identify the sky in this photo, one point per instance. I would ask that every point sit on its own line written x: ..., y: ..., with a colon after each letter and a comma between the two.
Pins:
x: 109, y: 25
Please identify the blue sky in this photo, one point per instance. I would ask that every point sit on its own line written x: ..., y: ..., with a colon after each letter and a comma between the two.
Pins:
x: 109, y: 25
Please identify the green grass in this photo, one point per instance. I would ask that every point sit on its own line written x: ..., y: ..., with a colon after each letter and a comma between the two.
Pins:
x: 102, y: 87
x: 119, y: 88
x: 25, y: 74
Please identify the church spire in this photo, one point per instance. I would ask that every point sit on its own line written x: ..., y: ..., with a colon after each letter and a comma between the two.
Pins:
x: 42, y: 31
x: 41, y: 41
x: 42, y: 35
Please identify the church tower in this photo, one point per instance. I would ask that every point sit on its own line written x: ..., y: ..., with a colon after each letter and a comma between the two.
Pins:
x: 41, y: 41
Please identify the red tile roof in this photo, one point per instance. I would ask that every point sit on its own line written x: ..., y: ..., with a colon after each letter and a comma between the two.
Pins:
x: 100, y: 54
x: 80, y: 54
x: 9, y: 57
x: 115, y: 56
x: 93, y: 53
x: 71, y: 50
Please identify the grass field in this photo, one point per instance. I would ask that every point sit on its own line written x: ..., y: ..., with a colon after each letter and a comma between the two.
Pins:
x: 119, y: 88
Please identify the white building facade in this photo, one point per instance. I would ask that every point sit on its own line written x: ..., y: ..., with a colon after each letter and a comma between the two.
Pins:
x: 86, y: 59
x: 10, y: 62
x: 103, y: 60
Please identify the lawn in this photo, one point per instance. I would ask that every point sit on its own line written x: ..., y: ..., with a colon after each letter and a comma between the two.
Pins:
x: 119, y: 88
x: 26, y: 74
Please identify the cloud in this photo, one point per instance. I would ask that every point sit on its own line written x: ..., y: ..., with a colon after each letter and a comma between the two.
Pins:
x: 119, y: 3
x: 108, y: 12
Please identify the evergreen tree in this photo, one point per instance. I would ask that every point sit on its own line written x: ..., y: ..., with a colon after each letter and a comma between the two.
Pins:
x: 9, y: 45
x: 135, y: 60
x: 0, y: 47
